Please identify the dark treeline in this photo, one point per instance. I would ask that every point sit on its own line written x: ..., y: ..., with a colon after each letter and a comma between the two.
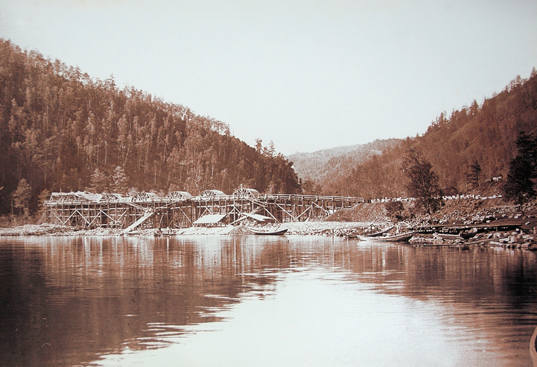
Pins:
x: 465, y: 149
x: 62, y: 130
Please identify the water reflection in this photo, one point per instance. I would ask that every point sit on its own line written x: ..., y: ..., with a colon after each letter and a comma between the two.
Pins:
x: 71, y: 301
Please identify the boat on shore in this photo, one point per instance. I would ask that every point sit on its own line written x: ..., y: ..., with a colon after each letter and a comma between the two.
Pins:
x: 378, y: 234
x: 267, y: 232
x: 447, y: 236
x: 401, y: 237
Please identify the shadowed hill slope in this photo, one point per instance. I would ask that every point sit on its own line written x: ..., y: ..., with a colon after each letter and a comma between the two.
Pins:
x: 61, y: 130
x: 483, y: 135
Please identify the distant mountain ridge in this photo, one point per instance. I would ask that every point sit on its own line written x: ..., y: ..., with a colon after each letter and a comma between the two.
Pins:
x: 482, y: 136
x: 339, y: 161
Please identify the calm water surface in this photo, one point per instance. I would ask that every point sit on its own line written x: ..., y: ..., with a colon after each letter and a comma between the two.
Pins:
x: 253, y: 301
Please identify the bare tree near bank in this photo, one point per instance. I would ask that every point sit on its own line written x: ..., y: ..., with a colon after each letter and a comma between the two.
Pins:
x: 43, y: 196
x: 519, y: 185
x: 423, y: 182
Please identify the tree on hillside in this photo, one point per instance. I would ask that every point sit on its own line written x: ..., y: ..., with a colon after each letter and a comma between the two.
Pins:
x: 474, y: 174
x: 527, y: 148
x: 99, y: 182
x: 519, y: 185
x: 21, y: 196
x: 42, y: 197
x: 119, y: 178
x: 423, y: 182
x: 310, y: 187
x: 473, y: 133
x: 58, y: 125
x: 395, y: 210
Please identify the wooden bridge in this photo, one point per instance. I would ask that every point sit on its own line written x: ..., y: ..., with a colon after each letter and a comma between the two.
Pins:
x: 179, y: 209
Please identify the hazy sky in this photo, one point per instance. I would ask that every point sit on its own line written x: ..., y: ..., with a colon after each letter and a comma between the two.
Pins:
x: 305, y: 74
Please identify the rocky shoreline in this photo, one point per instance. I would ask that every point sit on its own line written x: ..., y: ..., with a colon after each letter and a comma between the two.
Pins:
x: 313, y: 228
x: 481, y: 216
x: 363, y: 219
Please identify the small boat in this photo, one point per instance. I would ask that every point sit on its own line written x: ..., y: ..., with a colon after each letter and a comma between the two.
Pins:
x: 402, y: 237
x: 377, y: 234
x: 436, y: 238
x: 452, y: 236
x: 267, y: 232
x: 446, y: 236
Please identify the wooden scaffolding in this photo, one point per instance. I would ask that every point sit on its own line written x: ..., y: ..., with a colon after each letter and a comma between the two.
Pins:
x: 180, y: 209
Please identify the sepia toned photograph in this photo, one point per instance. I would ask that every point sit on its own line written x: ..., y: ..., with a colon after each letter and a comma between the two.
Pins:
x: 268, y: 183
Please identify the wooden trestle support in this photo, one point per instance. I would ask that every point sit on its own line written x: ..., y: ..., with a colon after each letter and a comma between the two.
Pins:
x: 180, y: 209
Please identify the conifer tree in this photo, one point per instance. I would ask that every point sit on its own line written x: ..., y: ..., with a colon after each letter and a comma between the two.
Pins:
x: 119, y: 181
x: 519, y: 185
x: 99, y: 182
x: 474, y: 174
x: 21, y: 196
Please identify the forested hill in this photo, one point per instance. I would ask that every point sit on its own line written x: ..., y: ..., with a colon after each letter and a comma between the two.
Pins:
x: 336, y: 162
x: 478, y: 138
x: 62, y: 130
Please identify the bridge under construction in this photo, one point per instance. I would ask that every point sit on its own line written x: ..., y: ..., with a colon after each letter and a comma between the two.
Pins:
x: 179, y: 209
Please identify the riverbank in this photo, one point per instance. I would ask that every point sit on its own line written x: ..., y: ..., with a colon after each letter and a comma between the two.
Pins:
x: 366, y: 218
x: 516, y: 225
x: 323, y: 228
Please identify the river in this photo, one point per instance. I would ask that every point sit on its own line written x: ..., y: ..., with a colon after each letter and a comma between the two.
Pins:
x: 262, y: 301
